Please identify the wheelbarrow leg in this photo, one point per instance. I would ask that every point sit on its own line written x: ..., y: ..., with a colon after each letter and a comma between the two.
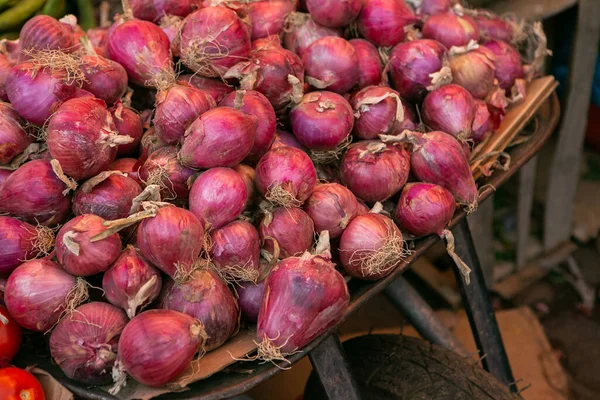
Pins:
x: 333, y: 371
x: 479, y: 309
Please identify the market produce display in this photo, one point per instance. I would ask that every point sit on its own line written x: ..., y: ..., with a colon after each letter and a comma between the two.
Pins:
x: 223, y: 163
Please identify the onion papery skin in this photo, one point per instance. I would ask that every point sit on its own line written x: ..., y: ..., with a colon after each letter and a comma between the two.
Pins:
x: 170, y: 25
x: 450, y: 109
x: 451, y: 29
x: 155, y: 10
x: 235, y: 251
x: 411, y: 66
x: 424, y: 209
x: 322, y: 120
x: 128, y: 122
x: 430, y: 7
x: 96, y: 327
x: 218, y: 197
x: 303, y: 32
x: 221, y: 137
x: 13, y: 138
x: 304, y: 297
x: 131, y: 283
x: 149, y: 144
x: 162, y: 168
x: 215, y: 87
x: 375, y: 171
x: 482, y: 123
x: 331, y: 207
x: 38, y: 292
x: 371, y: 247
x: 250, y: 297
x: 5, y: 67
x: 97, y: 37
x: 382, y: 22
x: 109, y: 199
x: 4, y: 174
x: 255, y: 103
x: 474, y: 71
x: 173, y: 238
x: 492, y: 27
x: 104, y: 78
x: 369, y: 63
x: 378, y: 111
x: 213, y: 40
x: 509, y: 66
x: 176, y: 109
x: 157, y: 345
x: 292, y: 228
x: 20, y: 242
x: 142, y: 48
x: 334, y: 13
x: 78, y: 254
x: 40, y: 200
x: 268, y: 17
x: 331, y: 63
x: 207, y: 298
x: 283, y: 138
x: 125, y: 165
x: 43, y: 32
x: 286, y: 176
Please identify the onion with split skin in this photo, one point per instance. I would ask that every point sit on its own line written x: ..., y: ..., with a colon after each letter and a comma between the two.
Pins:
x: 235, y: 251
x: 331, y: 207
x: 20, y: 242
x: 292, y: 228
x: 507, y: 62
x: 378, y: 111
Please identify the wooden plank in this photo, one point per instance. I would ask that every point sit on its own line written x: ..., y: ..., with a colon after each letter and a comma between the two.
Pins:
x: 564, y: 172
x: 524, y: 205
x: 531, y: 9
x: 437, y: 281
x: 481, y: 225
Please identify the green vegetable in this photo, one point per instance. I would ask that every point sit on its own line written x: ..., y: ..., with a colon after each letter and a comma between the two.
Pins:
x: 9, y: 35
x: 4, y: 4
x: 86, y: 17
x: 14, y: 17
x: 55, y: 8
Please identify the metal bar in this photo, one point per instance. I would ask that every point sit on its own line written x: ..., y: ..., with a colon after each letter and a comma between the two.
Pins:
x: 421, y: 316
x: 333, y: 371
x: 479, y: 309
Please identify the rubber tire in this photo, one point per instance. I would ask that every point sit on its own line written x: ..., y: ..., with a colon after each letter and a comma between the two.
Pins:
x: 405, y: 368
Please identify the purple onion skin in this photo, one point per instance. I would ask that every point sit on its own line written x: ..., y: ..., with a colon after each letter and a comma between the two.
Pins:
x: 40, y: 200
x: 128, y: 122
x: 482, y: 123
x: 474, y: 71
x: 248, y: 174
x: 334, y: 13
x: 131, y: 283
x: 18, y: 243
x: 451, y: 29
x: 4, y: 174
x: 104, y: 78
x: 373, y: 171
x: 37, y: 293
x: 236, y: 245
x: 43, y: 32
x: 156, y: 346
x: 250, y: 297
x: 450, y: 109
x: 424, y: 209
x: 283, y: 138
x: 331, y: 207
x: 221, y: 137
x: 110, y: 199
x: 89, y: 359
x: 177, y: 108
x: 174, y: 180
x: 507, y: 62
x: 13, y: 138
x: 292, y: 228
x: 207, y: 298
x: 304, y: 33
x: 215, y: 87
x: 218, y: 197
x: 304, y: 297
x: 255, y: 103
x: 430, y: 7
x: 5, y: 67
x: 333, y: 62
x: 155, y: 10
x: 412, y: 62
x: 376, y: 115
x: 382, y: 22
x: 369, y: 63
x: 494, y: 28
x: 268, y: 17
x: 149, y: 144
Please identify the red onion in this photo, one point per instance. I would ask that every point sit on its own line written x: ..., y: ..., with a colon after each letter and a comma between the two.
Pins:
x: 218, y: 197
x: 221, y: 137
x: 124, y: 165
x: 283, y: 138
x: 83, y: 138
x: 149, y: 144
x: 131, y: 283
x: 250, y: 297
x: 430, y: 7
x: 207, y: 298
x: 492, y: 27
x: 371, y: 247
x: 13, y: 138
x: 369, y: 63
x: 378, y: 110
x: 235, y: 251
x: 156, y: 346
x: 216, y: 88
x: 482, y: 123
x: 162, y: 168
x: 43, y: 32
x: 21, y: 241
x: 419, y: 66
x: 286, y: 176
x: 84, y: 345
x: 451, y: 29
x: 38, y: 292
x: 171, y: 240
x: 176, y: 108
x: 170, y: 25
x: 273, y: 71
x: 331, y: 206
x: 507, y: 61
x: 474, y: 71
x: 97, y: 37
x: 382, y: 22
x: 37, y: 201
x: 375, y: 171
x: 362, y: 208
x: 331, y: 63
x: 248, y: 174
x: 129, y: 123
x: 334, y: 13
x: 268, y: 17
x: 450, y: 109
x: 213, y: 40
x: 291, y: 228
x: 4, y: 174
x: 108, y: 195
x: 255, y: 103
x: 302, y: 31
x: 155, y: 10
x: 5, y: 67
x: 104, y: 78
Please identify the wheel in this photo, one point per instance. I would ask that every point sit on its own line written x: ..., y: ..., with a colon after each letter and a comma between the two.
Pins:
x: 406, y: 368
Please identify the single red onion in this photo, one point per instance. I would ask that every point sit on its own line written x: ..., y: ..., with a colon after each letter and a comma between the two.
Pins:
x: 268, y: 17
x: 430, y: 7
x: 482, y: 123
x: 177, y: 107
x: 450, y: 109
x: 419, y: 66
x: 170, y: 25
x: 96, y: 328
x: 371, y: 247
x: 286, y: 176
x: 331, y: 63
x: 375, y: 171
x: 38, y: 292
x: 250, y: 297
x: 128, y: 123
x: 131, y: 283
x: 382, y: 22
x: 369, y: 63
x: 124, y: 165
x: 235, y: 251
x: 334, y: 13
x: 474, y: 71
x: 218, y: 197
x: 104, y: 78
x: 155, y: 10
x: 302, y: 31
x: 207, y: 298
x: 492, y: 27
x: 507, y: 61
x: 215, y: 87
x: 43, y: 32
x: 21, y: 241
x: 331, y: 206
x: 213, y: 40
x: 221, y: 137
x: 5, y: 67
x: 37, y: 201
x: 378, y: 111
x: 13, y: 138
x: 162, y: 168
x: 292, y: 229
x: 149, y: 144
x: 451, y: 29
x: 283, y: 138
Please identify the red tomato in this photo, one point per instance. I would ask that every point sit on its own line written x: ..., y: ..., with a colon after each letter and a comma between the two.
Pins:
x: 10, y: 336
x: 18, y: 384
